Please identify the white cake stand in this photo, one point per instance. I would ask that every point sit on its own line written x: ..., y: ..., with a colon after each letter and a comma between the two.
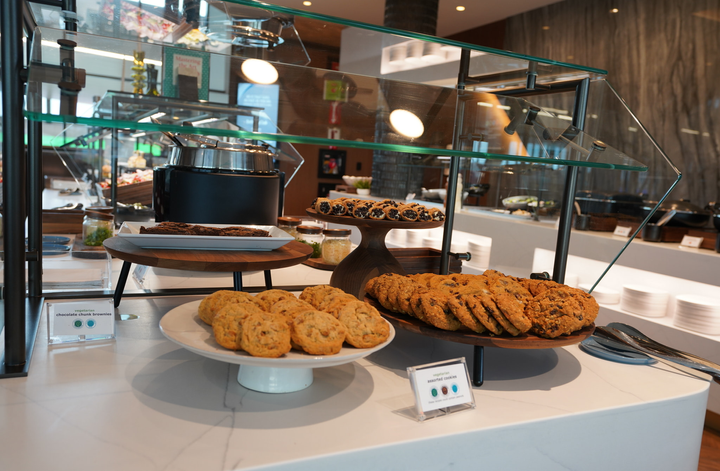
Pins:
x: 291, y: 372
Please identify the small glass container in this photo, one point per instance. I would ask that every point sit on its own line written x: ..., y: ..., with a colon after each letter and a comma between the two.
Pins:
x: 97, y: 226
x: 311, y: 235
x: 336, y: 245
x: 289, y: 225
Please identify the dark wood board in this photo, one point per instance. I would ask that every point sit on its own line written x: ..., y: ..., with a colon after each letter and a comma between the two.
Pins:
x: 413, y: 260
x: 288, y: 255
x: 525, y: 341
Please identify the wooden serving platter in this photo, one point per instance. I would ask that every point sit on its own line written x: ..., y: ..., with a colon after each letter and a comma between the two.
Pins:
x: 374, y: 223
x: 525, y: 341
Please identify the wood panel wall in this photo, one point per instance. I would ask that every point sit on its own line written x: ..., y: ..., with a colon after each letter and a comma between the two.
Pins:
x: 662, y: 58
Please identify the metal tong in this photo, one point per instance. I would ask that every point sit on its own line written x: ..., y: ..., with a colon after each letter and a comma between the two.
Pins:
x: 619, y: 335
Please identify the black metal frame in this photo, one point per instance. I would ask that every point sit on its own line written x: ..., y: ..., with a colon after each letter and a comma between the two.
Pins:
x: 21, y: 314
x: 563, y: 241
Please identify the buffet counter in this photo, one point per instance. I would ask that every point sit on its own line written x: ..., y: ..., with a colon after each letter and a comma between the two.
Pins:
x: 141, y: 402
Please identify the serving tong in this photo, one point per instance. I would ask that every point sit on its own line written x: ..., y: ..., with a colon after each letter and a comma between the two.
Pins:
x: 617, y: 335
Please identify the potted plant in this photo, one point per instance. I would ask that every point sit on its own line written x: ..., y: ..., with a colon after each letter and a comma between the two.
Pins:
x: 363, y: 186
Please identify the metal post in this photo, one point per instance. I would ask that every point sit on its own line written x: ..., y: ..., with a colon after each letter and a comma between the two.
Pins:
x: 454, y: 166
x: 13, y: 147
x: 566, y: 211
x: 35, y: 174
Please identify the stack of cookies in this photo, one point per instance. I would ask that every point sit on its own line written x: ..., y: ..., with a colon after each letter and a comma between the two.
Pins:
x: 273, y: 322
x: 377, y: 210
x: 490, y: 303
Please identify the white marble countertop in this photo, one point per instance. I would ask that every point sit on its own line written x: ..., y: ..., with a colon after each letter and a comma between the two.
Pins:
x: 142, y: 403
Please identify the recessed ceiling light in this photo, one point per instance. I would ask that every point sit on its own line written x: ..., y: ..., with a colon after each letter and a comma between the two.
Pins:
x: 306, y: 3
x: 614, y: 10
x: 460, y: 8
x: 546, y: 28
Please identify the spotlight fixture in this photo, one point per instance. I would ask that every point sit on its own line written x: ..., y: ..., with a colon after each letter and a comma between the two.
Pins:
x: 307, y: 4
x: 614, y: 10
x: 406, y: 123
x: 460, y: 8
x: 259, y: 71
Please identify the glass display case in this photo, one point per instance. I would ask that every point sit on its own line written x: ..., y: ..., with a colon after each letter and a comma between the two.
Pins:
x: 510, y: 124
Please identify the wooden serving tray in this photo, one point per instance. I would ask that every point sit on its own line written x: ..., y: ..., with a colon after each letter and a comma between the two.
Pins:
x: 525, y: 341
x: 413, y: 260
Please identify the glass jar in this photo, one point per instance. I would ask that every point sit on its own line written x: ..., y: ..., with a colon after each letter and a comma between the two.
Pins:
x: 97, y: 226
x: 336, y: 245
x: 311, y: 235
x: 289, y: 225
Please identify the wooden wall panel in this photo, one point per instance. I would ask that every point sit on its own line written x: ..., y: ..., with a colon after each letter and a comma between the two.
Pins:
x: 662, y: 58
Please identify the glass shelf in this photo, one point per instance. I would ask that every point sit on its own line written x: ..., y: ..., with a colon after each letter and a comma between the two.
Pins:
x: 495, y: 126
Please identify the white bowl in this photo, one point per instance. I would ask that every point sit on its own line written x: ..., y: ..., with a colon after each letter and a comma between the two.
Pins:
x: 350, y: 180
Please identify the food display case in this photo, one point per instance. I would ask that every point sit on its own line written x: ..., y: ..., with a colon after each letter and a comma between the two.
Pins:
x: 562, y: 125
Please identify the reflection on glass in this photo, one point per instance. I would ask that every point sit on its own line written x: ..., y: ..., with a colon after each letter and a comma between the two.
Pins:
x: 406, y: 123
x: 259, y: 71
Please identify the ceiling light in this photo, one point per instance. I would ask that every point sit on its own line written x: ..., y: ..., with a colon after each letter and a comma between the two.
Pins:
x: 307, y: 4
x: 460, y: 8
x: 614, y: 10
x: 259, y: 71
x: 406, y: 123
x: 486, y: 105
x: 546, y: 28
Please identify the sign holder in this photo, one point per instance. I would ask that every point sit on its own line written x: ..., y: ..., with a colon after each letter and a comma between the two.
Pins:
x: 80, y: 321
x: 441, y: 388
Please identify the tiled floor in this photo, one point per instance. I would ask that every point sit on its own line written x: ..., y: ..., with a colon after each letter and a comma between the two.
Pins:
x: 710, y: 451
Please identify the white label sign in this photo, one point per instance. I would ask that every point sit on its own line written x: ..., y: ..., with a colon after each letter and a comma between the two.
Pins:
x: 622, y: 231
x: 442, y: 385
x: 688, y: 241
x: 88, y: 318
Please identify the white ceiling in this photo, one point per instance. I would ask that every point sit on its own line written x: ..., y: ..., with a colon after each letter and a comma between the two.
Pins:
x: 450, y: 21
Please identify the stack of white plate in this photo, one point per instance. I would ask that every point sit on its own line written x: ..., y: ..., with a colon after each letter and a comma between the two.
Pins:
x: 602, y: 294
x: 480, y: 252
x: 432, y: 242
x: 458, y: 247
x: 644, y: 300
x: 397, y: 237
x: 415, y: 237
x: 698, y: 313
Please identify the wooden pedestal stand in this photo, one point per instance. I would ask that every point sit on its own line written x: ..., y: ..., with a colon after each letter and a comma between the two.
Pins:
x: 371, y: 258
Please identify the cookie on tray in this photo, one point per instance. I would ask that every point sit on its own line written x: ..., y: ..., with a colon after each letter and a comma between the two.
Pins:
x: 511, y: 297
x: 459, y: 308
x: 365, y: 327
x: 227, y: 324
x: 265, y: 335
x: 430, y: 305
x: 269, y: 297
x: 291, y: 307
x: 589, y: 305
x: 555, y: 312
x: 213, y: 303
x: 315, y: 294
x: 318, y: 333
x: 481, y: 313
x: 536, y: 287
x: 493, y: 307
x: 335, y: 302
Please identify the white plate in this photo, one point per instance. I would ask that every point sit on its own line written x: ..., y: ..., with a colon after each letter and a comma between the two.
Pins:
x: 130, y: 231
x: 183, y: 326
